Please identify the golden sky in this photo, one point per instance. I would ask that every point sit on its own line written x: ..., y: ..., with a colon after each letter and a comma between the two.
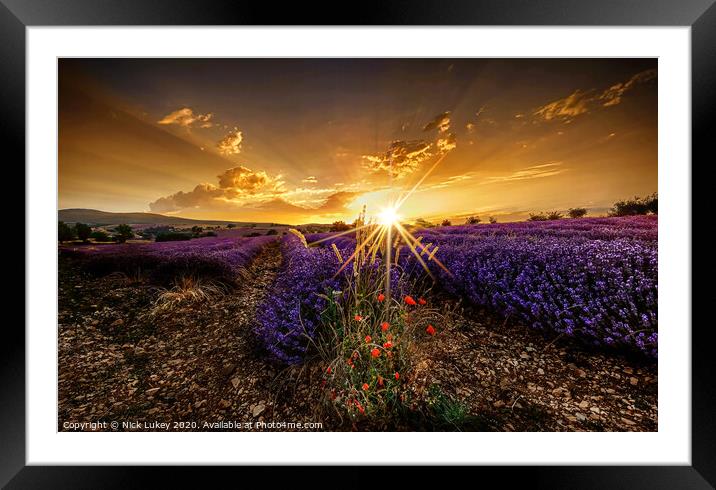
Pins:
x: 313, y: 140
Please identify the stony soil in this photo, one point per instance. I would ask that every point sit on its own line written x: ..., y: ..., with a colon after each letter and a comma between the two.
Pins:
x: 200, y: 364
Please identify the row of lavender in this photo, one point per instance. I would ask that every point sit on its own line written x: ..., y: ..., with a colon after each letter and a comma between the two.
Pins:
x: 221, y: 258
x: 595, y: 279
x: 295, y: 301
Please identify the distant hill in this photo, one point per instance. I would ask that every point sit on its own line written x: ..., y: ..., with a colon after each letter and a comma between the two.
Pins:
x: 95, y: 217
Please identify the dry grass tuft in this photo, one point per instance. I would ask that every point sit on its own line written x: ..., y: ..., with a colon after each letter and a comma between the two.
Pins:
x: 188, y: 290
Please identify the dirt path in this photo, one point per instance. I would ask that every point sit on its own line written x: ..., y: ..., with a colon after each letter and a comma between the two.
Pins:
x: 193, y: 365
x: 511, y: 378
x: 201, y: 364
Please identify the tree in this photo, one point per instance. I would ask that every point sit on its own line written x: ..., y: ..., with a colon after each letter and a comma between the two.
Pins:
x: 64, y: 232
x: 636, y: 206
x: 340, y: 226
x: 577, y: 212
x: 196, y: 230
x: 123, y: 233
x: 537, y: 217
x: 472, y: 220
x: 100, y: 236
x: 493, y: 220
x: 83, y: 231
x: 554, y: 215
x: 231, y: 225
x: 446, y: 222
x: 272, y: 231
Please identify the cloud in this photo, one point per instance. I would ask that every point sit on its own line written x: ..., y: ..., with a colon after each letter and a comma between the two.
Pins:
x: 245, y: 180
x: 580, y: 102
x: 310, y: 180
x: 446, y: 144
x: 231, y: 143
x: 528, y: 173
x: 402, y: 157
x: 235, y: 185
x: 187, y: 118
x: 613, y: 95
x: 567, y: 108
x: 441, y: 122
x: 201, y: 194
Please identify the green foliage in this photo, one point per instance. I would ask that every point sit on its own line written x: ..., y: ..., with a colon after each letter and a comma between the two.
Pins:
x: 272, y: 231
x: 123, y: 233
x: 472, y: 220
x: 340, y: 226
x: 100, y: 236
x: 552, y: 215
x: 577, y: 212
x: 537, y: 217
x: 65, y: 232
x: 636, y: 206
x: 83, y: 231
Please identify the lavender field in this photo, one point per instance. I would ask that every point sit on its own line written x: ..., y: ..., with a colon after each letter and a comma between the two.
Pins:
x: 545, y: 325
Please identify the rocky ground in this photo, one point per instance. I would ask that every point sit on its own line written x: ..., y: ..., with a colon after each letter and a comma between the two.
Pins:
x: 199, y: 364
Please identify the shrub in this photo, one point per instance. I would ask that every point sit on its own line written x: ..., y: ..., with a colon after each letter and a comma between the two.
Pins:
x: 123, y: 233
x: 100, y: 236
x: 577, y: 212
x: 65, y: 233
x: 272, y: 231
x: 553, y: 215
x: 446, y: 222
x: 537, y: 217
x: 253, y: 234
x: 340, y: 226
x: 472, y: 220
x: 231, y: 225
x: 492, y: 220
x: 636, y: 206
x: 83, y: 231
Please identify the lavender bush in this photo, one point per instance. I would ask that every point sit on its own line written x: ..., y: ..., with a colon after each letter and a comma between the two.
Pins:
x: 221, y: 258
x: 291, y: 312
x: 591, y: 278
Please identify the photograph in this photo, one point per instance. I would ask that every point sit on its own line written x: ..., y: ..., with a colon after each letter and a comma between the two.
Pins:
x: 357, y: 244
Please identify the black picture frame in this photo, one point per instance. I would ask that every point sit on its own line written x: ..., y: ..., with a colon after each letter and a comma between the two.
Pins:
x: 16, y: 15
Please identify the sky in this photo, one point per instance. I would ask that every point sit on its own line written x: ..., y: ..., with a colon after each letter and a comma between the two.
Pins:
x: 314, y: 140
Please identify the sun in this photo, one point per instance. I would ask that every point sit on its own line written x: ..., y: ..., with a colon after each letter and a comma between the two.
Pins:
x: 388, y: 216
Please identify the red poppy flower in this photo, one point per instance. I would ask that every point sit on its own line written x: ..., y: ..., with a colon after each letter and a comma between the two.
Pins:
x: 365, y: 386
x: 355, y: 354
x: 358, y: 318
x: 422, y: 301
x: 381, y: 297
x: 410, y: 301
x: 397, y: 375
x: 375, y: 353
x: 368, y: 339
x: 430, y: 330
x: 388, y: 345
x: 384, y: 326
x: 380, y: 380
x: 328, y: 370
x: 360, y: 407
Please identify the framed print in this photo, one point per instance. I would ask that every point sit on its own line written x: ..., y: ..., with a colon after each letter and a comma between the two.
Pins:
x: 431, y: 237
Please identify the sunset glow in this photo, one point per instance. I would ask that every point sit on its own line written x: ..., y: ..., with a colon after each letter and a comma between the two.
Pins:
x: 313, y: 141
